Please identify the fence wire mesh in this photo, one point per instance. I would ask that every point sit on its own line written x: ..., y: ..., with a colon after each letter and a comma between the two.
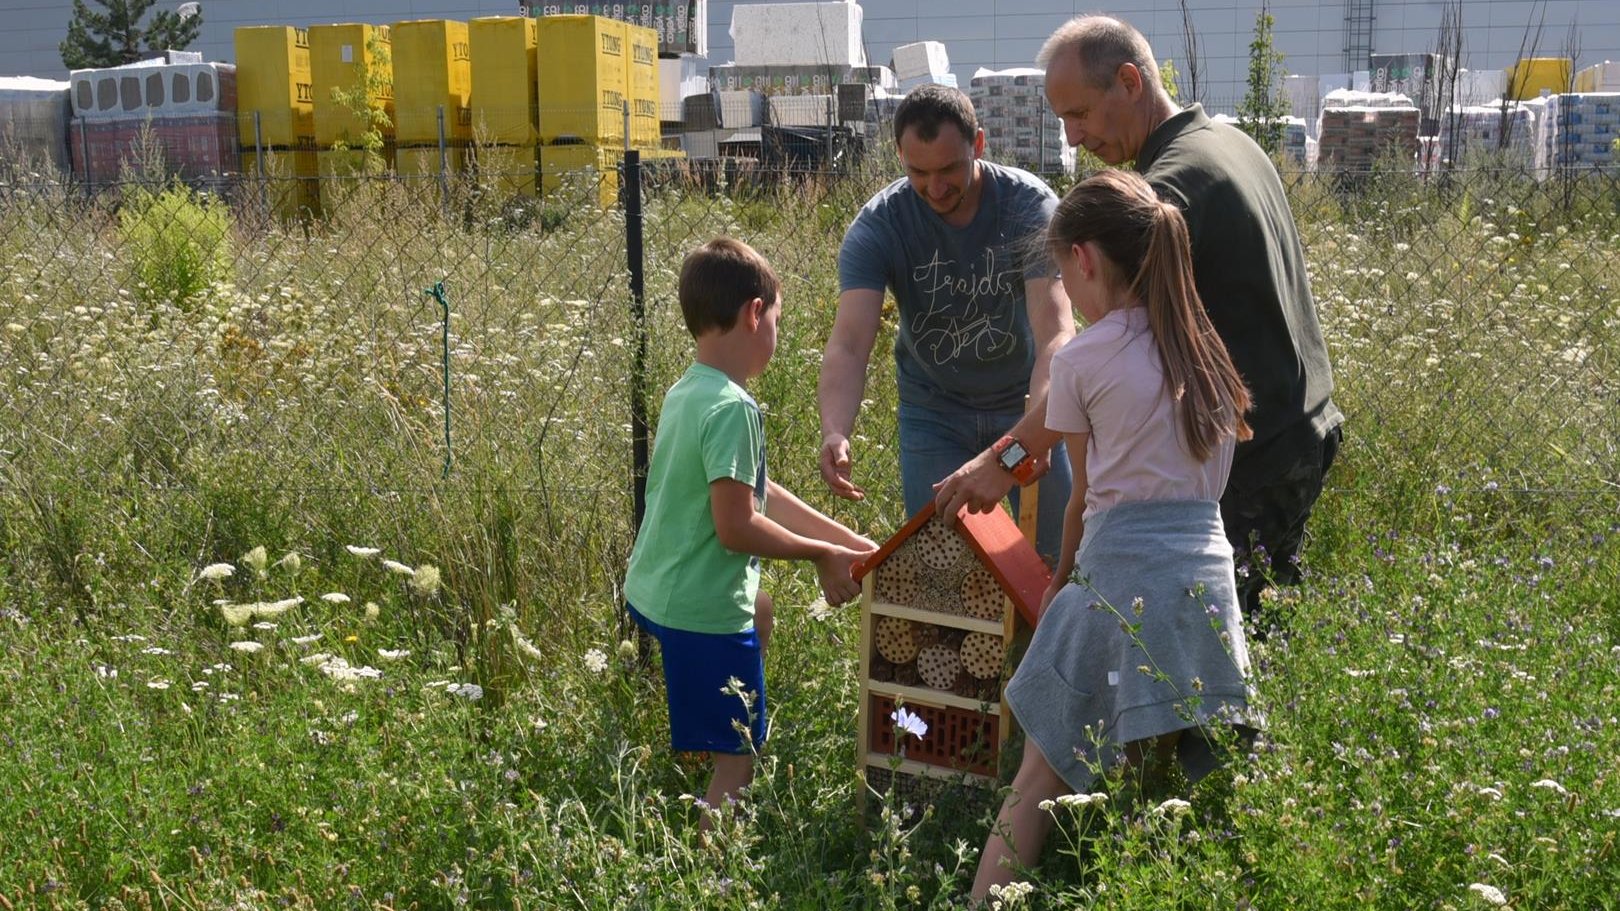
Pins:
x: 266, y: 346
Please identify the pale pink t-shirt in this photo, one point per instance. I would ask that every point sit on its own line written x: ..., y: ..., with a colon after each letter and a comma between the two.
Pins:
x: 1108, y: 381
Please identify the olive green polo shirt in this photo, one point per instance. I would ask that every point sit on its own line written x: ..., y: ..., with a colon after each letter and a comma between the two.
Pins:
x: 1249, y: 267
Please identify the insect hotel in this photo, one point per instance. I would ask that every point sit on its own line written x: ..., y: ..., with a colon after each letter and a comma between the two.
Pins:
x: 940, y: 605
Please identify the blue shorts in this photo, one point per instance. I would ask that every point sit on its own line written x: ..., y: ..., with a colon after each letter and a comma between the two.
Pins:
x: 697, y: 667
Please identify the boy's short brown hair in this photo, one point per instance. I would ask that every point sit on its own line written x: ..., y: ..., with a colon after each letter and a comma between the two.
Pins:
x: 718, y: 278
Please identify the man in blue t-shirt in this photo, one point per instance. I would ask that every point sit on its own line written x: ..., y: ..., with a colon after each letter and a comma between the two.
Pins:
x: 959, y: 242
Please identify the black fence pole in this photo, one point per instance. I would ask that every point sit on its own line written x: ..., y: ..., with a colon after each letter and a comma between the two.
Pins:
x: 635, y: 252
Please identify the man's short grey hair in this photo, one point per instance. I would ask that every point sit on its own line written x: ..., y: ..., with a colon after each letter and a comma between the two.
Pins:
x: 1102, y: 43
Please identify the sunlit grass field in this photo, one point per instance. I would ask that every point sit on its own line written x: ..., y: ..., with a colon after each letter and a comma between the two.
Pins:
x: 408, y: 684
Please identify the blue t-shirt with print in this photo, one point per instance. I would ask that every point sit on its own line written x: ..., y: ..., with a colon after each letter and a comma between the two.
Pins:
x: 964, y: 338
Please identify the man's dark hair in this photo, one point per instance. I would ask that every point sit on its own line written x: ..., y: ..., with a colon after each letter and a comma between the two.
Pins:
x: 718, y: 278
x: 930, y: 106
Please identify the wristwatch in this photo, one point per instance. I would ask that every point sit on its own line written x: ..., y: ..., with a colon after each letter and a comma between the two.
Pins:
x: 1014, y: 456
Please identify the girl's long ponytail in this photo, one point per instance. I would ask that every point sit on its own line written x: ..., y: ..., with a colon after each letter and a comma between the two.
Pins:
x: 1202, y: 379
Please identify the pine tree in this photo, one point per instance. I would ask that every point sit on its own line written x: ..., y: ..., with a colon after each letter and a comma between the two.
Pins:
x: 1261, y: 112
x: 113, y: 35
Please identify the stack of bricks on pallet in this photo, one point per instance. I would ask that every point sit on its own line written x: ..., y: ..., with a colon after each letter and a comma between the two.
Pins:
x: 1020, y: 129
x: 1358, y: 128
x: 1508, y: 127
x: 1584, y: 129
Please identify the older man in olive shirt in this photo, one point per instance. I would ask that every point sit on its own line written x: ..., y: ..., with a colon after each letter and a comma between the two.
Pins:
x: 1102, y: 80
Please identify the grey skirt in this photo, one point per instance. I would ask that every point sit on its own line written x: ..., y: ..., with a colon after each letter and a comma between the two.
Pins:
x: 1147, y: 641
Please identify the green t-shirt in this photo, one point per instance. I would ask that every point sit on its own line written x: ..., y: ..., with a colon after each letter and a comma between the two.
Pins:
x: 680, y: 575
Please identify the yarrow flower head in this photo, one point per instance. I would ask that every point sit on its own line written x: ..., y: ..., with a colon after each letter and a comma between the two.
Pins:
x: 908, y: 722
x: 596, y: 661
x: 425, y: 580
x: 1174, y: 808
x: 1490, y: 895
x: 214, y: 572
x: 1075, y: 801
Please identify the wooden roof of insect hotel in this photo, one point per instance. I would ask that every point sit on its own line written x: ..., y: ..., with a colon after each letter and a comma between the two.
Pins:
x: 1000, y: 547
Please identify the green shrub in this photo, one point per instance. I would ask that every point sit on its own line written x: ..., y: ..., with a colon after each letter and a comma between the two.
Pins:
x: 178, y: 243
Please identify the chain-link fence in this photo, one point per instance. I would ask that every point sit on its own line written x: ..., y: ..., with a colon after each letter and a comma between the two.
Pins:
x: 183, y: 364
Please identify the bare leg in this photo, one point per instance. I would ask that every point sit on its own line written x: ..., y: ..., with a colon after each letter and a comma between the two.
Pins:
x: 732, y: 773
x: 1021, y: 827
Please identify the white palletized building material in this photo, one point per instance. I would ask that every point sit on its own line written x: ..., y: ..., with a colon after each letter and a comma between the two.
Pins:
x: 1479, y: 87
x: 1599, y: 77
x: 34, y: 115
x: 678, y: 78
x: 1020, y: 129
x: 802, y: 110
x: 797, y: 34
x: 1509, y: 127
x: 907, y: 85
x: 153, y: 88
x: 921, y: 59
x: 1304, y: 95
x: 1582, y: 130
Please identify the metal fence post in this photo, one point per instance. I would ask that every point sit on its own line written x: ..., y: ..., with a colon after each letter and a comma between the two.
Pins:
x: 444, y: 169
x: 84, y: 152
x: 635, y: 253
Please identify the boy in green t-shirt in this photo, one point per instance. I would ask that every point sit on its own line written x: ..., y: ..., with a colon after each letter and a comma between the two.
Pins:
x: 693, y: 581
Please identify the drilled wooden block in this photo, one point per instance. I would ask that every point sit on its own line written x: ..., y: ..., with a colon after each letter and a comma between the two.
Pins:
x: 981, y: 596
x: 897, y: 577
x: 982, y: 655
x: 938, y: 665
x: 939, y: 546
x: 896, y: 639
x: 940, y: 590
x: 906, y: 674
x: 881, y: 670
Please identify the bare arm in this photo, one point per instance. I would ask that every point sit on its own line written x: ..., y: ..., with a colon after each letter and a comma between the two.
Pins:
x: 1074, y: 526
x: 981, y: 483
x: 799, y: 517
x: 843, y: 381
x: 743, y: 529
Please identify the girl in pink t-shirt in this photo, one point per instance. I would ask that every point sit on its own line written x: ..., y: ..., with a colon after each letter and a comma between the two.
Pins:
x: 1151, y: 407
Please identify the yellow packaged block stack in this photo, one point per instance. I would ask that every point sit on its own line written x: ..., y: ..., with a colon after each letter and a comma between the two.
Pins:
x: 580, y: 174
x: 356, y: 60
x: 273, y: 83
x: 1527, y: 78
x: 506, y: 170
x: 581, y: 80
x: 432, y: 73
x: 641, y: 86
x: 505, y: 91
x: 286, y: 185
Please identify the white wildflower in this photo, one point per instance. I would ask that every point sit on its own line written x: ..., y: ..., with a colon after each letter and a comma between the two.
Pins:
x: 214, y: 572
x: 156, y: 650
x: 390, y: 654
x: 335, y: 598
x: 1174, y: 808
x: 425, y: 579
x: 292, y: 561
x: 536, y: 725
x: 306, y: 640
x: 362, y: 552
x: 237, y: 614
x: 317, y: 658
x: 471, y: 692
x: 596, y: 661
x: 257, y: 558
x: 394, y: 566
x: 1492, y: 793
x: 372, y: 610
x: 1550, y: 785
x: 1081, y: 800
x: 1490, y: 895
x: 271, y: 609
x: 1045, y: 806
x: 157, y: 684
x: 248, y: 646
x: 265, y: 625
